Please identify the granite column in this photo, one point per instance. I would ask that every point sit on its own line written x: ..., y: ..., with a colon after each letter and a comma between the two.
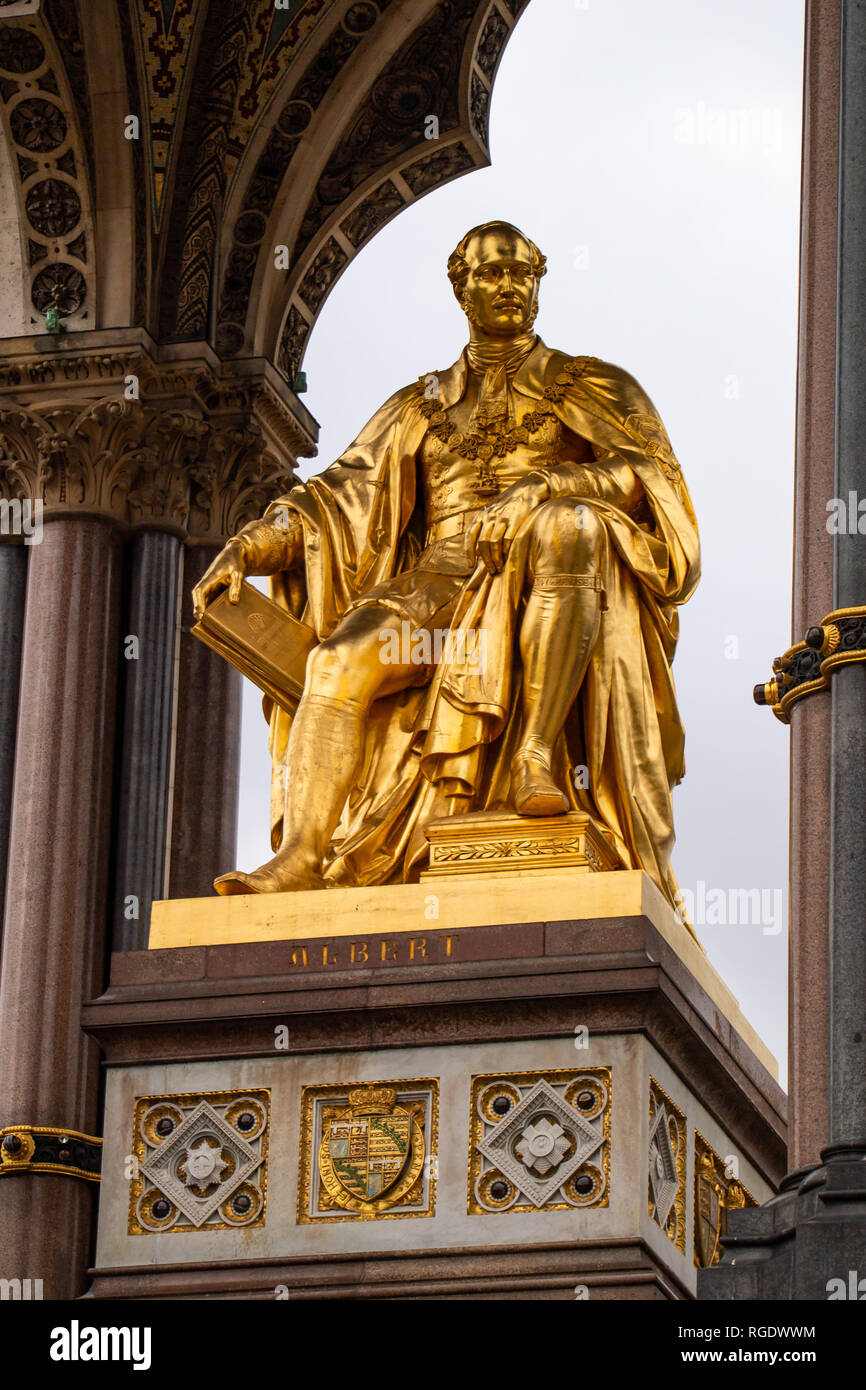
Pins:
x: 13, y: 580
x: 809, y: 959
x: 204, y: 817
x: 54, y: 941
x: 848, y: 732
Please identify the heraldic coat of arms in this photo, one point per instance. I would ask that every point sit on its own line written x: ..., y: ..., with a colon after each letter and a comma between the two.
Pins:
x: 371, y: 1152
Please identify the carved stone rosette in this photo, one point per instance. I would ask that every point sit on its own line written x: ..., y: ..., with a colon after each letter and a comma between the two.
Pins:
x: 539, y: 1141
x: 181, y: 444
x: 667, y: 1165
x: 199, y: 1161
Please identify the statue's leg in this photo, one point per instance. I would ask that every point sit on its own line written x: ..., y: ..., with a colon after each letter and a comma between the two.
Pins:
x: 557, y: 635
x: 345, y: 674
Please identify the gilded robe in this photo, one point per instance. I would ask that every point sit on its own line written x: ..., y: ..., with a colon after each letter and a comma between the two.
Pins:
x: 446, y: 747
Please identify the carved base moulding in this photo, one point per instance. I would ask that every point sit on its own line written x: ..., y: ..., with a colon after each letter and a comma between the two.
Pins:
x: 501, y: 843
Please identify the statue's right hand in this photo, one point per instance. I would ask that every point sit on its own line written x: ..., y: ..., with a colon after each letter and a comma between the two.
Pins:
x: 227, y: 571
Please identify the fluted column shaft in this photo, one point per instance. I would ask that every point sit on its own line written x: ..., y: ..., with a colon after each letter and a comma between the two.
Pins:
x: 148, y: 667
x: 207, y: 753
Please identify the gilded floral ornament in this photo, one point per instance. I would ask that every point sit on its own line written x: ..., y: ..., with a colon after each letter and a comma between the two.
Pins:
x: 496, y: 440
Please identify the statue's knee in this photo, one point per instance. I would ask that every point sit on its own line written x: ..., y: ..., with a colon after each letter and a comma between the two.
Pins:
x: 328, y: 664
x: 570, y: 531
x: 349, y: 664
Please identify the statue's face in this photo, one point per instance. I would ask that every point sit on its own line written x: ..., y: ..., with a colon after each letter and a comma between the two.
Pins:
x: 499, y: 294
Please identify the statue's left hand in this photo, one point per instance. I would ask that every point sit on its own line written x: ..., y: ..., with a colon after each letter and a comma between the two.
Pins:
x: 491, y: 533
x: 227, y: 571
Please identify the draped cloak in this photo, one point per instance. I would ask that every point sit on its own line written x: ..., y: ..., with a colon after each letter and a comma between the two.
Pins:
x: 446, y: 746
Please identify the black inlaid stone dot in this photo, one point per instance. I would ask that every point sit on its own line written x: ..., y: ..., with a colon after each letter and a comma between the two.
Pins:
x: 583, y: 1185
x: 164, y: 1126
x: 501, y: 1105
x: 246, y: 1121
x: 12, y: 1143
x: 161, y: 1208
x: 498, y: 1191
x: 586, y: 1100
x: 242, y: 1203
x: 65, y: 1155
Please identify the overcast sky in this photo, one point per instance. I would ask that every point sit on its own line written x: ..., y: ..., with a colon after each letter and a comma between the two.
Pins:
x: 653, y: 153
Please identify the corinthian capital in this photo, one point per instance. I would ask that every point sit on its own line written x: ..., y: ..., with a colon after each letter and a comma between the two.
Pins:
x: 177, y: 443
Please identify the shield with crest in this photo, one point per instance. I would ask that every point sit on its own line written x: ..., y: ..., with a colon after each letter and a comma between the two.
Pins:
x: 369, y: 1152
x: 710, y: 1217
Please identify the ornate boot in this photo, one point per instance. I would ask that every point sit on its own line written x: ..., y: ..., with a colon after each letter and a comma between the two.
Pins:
x: 324, y: 750
x: 556, y: 639
x: 533, y: 789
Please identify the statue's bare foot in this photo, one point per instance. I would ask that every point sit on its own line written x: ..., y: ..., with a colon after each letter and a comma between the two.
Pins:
x: 274, y: 877
x: 533, y: 789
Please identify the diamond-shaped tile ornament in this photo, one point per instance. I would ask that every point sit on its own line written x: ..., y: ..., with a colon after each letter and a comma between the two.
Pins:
x: 662, y: 1166
x: 196, y: 1146
x: 528, y: 1148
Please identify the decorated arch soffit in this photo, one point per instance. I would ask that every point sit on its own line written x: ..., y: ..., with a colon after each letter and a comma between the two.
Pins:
x: 359, y: 164
x: 167, y: 37
x: 312, y: 134
x: 295, y: 124
x: 165, y: 32
x: 47, y: 133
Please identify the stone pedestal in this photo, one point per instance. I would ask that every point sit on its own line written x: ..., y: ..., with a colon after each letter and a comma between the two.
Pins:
x: 489, y: 1086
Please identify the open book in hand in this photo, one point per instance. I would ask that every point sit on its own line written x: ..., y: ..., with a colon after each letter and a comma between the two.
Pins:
x: 264, y: 642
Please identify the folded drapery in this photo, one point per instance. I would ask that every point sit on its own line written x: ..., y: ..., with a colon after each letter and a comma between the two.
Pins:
x: 447, y: 746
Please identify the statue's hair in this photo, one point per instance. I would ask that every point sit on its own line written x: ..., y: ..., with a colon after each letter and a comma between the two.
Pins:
x: 458, y: 266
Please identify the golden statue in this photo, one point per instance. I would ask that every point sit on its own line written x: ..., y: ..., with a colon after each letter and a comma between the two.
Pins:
x: 492, y: 571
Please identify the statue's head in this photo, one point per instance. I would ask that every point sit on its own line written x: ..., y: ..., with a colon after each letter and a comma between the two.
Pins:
x: 494, y: 272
